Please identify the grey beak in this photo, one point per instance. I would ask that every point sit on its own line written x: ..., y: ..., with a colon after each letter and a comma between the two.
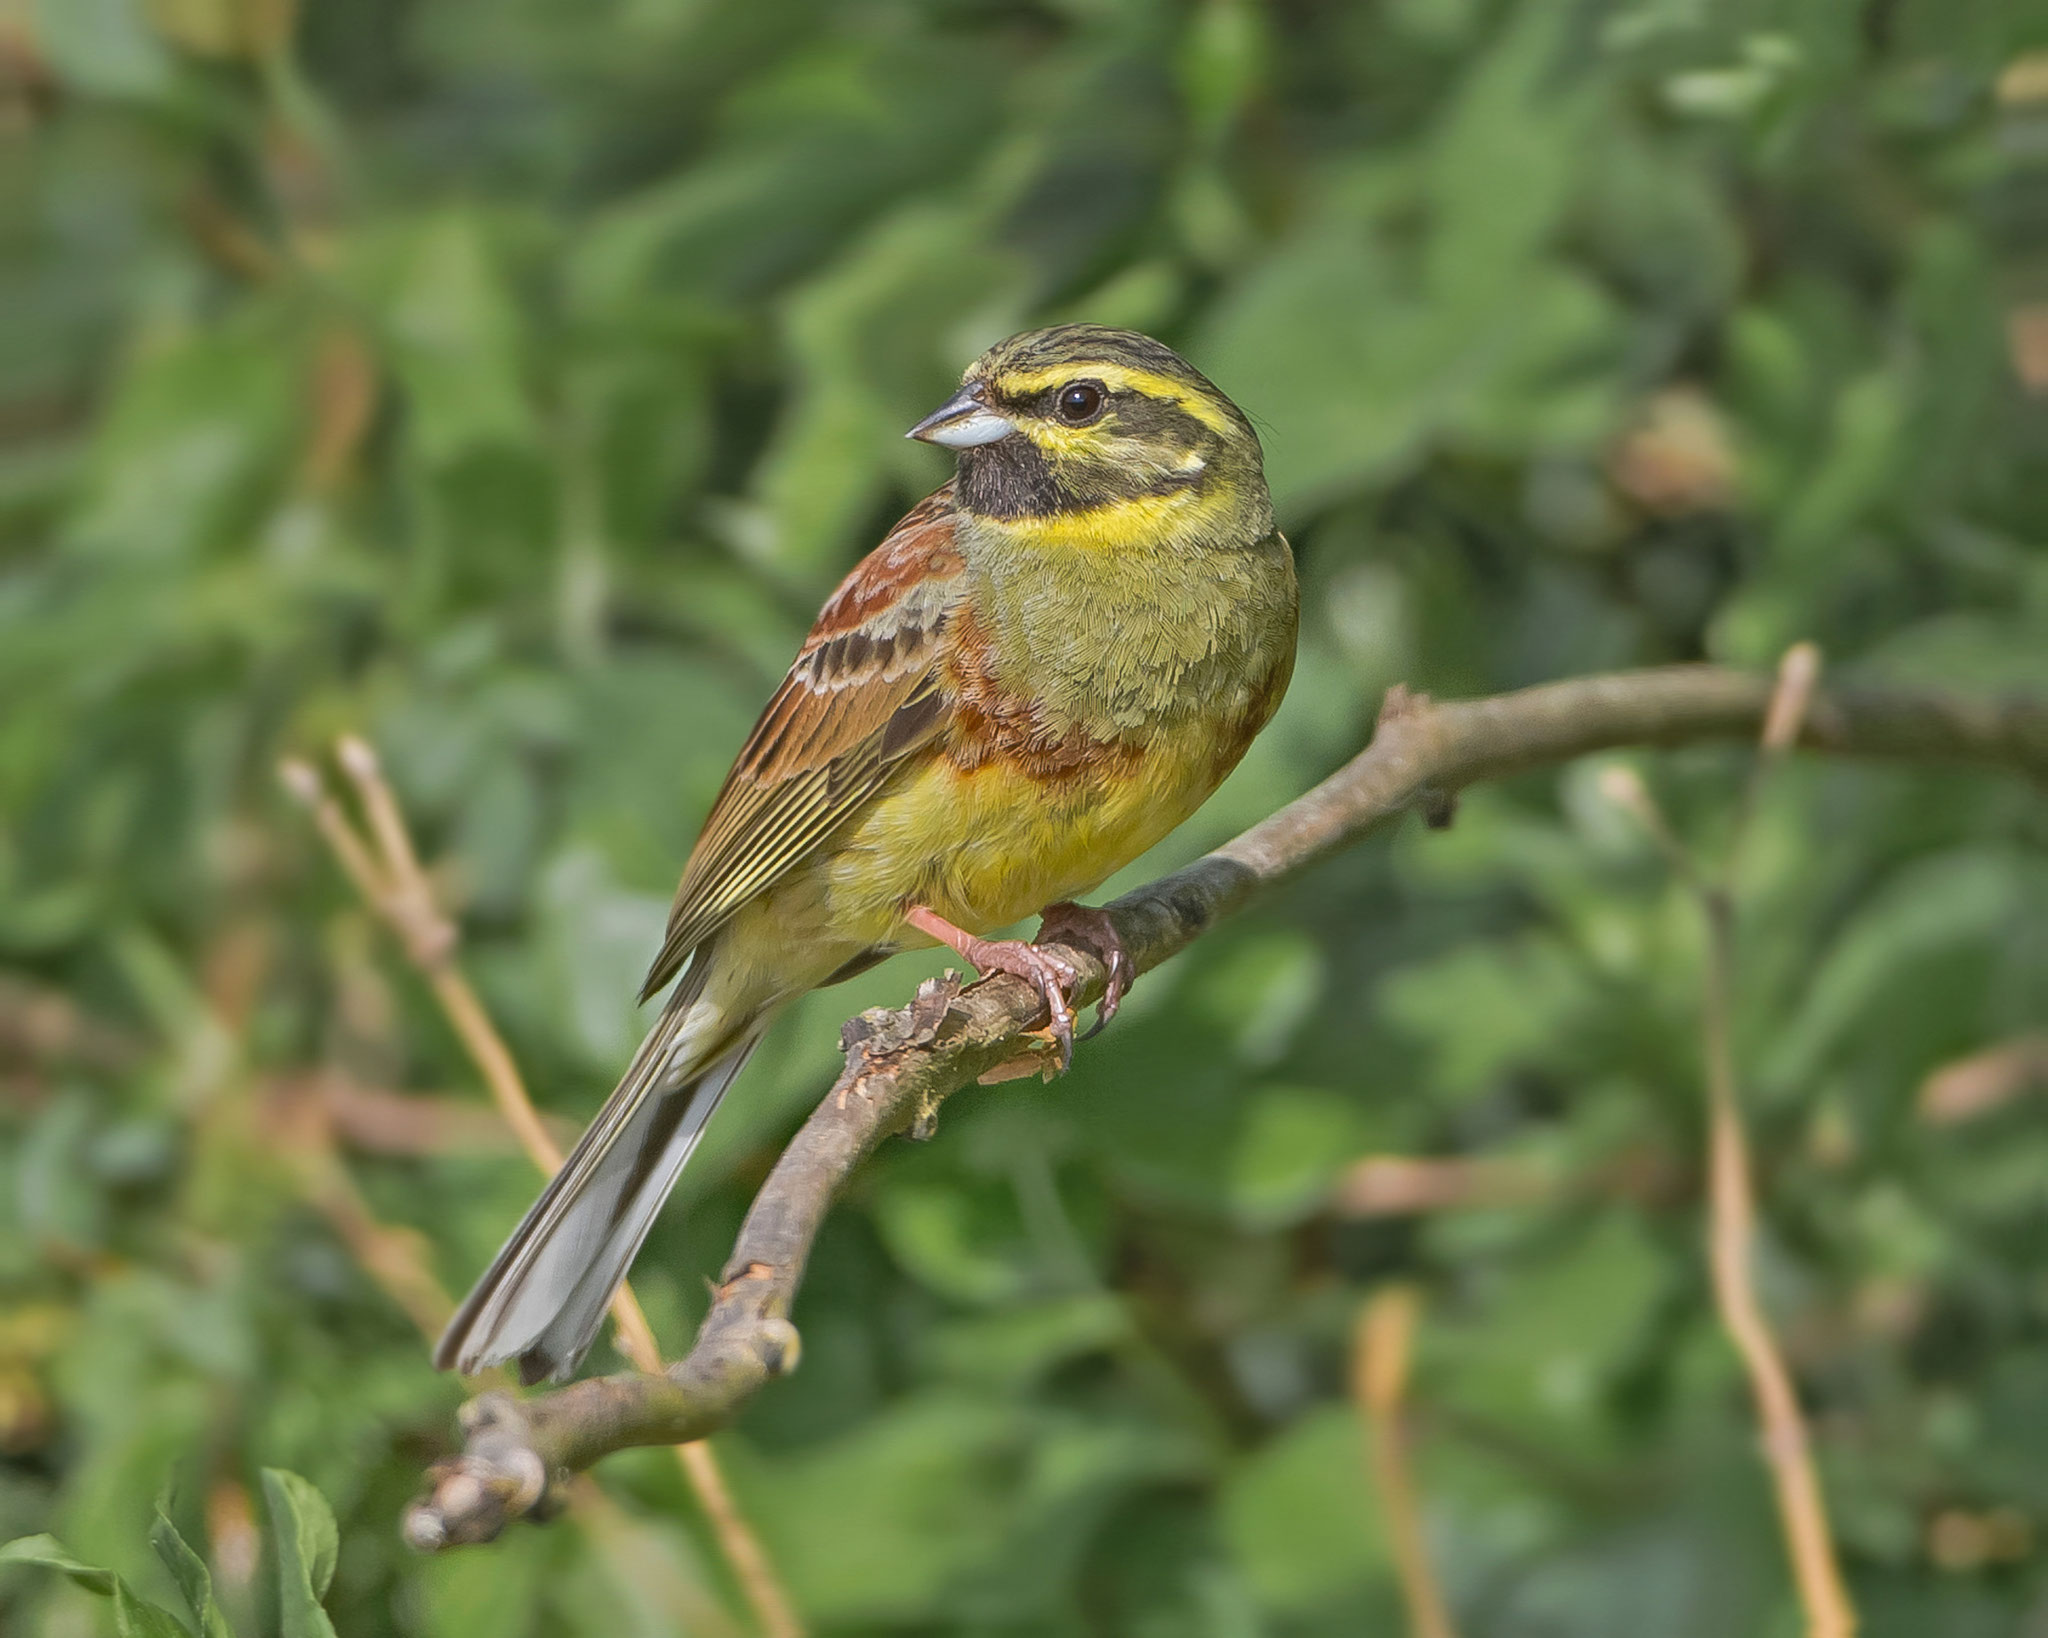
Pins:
x: 963, y: 421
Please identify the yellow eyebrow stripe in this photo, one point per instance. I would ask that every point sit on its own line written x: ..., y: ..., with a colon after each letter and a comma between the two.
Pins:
x: 1117, y: 378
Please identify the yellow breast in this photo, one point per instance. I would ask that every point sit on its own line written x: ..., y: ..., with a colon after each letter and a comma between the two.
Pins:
x: 992, y: 844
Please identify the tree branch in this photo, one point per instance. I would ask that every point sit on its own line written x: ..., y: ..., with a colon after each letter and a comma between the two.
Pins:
x: 900, y: 1065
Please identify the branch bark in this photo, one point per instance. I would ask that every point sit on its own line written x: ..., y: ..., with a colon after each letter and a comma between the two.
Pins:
x: 900, y: 1065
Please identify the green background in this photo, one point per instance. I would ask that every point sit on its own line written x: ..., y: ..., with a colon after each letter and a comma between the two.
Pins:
x: 508, y: 380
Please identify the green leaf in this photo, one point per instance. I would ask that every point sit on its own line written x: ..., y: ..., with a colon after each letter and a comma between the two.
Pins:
x: 104, y: 47
x: 456, y: 336
x: 963, y: 1242
x: 1541, y: 1344
x: 862, y: 376
x: 137, y: 1617
x: 1223, y: 56
x: 1020, y: 1345
x: 133, y: 1617
x: 500, y: 1593
x: 49, y: 1554
x: 188, y: 451
x: 1300, y: 1516
x: 1484, y: 332
x: 306, y: 1547
x: 188, y: 1569
x: 1531, y: 989
x: 939, y: 1472
x: 1930, y: 914
x: 1293, y: 1142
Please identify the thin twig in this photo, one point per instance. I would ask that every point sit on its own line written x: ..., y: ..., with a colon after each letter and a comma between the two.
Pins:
x: 1984, y: 1081
x: 377, y: 1120
x: 1802, y: 1506
x: 902, y: 1065
x: 1387, y: 1185
x: 392, y: 881
x: 1408, y: 1185
x: 1383, y: 1349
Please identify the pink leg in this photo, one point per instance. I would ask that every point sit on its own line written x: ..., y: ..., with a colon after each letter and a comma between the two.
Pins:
x: 1042, y: 970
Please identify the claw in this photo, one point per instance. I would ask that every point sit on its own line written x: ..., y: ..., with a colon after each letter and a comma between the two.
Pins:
x: 1092, y: 930
x: 1044, y: 972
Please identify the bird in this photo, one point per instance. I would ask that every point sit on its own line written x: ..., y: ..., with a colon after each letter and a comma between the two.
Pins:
x: 1041, y: 671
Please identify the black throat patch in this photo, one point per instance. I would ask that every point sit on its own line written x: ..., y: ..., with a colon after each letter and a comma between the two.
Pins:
x: 1010, y: 478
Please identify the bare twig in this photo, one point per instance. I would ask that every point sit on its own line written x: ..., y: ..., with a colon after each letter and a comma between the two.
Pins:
x: 392, y: 881
x: 377, y: 1120
x: 902, y: 1065
x: 1406, y: 1185
x: 1802, y: 1506
x: 39, y: 1026
x: 1413, y: 1185
x: 1984, y: 1081
x: 1383, y: 1348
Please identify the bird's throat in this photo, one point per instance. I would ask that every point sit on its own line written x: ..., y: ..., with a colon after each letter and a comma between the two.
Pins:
x: 1115, y: 638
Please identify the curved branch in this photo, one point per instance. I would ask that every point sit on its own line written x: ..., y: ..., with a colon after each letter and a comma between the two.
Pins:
x: 900, y: 1065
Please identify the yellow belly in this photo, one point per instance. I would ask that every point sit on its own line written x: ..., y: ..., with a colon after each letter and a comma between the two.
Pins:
x: 984, y: 848
x: 989, y: 846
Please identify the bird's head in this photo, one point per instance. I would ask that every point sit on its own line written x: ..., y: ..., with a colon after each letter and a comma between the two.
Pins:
x: 1084, y: 424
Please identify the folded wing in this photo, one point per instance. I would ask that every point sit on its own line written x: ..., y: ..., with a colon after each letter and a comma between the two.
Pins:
x: 863, y: 694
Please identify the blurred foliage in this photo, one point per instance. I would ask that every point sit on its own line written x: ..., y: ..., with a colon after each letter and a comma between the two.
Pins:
x: 305, y: 1542
x: 507, y: 379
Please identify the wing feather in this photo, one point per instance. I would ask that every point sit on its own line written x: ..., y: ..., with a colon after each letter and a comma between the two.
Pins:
x: 863, y: 694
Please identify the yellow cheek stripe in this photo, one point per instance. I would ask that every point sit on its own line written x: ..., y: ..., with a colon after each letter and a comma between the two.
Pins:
x: 1112, y: 526
x: 1117, y: 378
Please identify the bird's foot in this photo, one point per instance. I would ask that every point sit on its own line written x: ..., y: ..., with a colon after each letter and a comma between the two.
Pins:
x: 1088, y: 928
x: 1045, y: 972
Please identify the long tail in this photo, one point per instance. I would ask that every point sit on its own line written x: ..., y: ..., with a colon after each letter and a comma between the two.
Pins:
x: 544, y: 1295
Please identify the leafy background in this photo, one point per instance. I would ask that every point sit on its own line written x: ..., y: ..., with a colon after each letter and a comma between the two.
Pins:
x: 508, y: 379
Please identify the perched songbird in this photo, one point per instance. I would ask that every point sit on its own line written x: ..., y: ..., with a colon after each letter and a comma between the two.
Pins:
x: 1047, y: 666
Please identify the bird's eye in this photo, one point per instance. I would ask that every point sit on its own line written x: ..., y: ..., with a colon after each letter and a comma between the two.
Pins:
x: 1080, y: 403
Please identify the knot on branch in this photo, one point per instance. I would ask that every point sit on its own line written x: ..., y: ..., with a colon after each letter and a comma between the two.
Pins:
x: 878, y: 1038
x: 429, y: 937
x: 883, y: 1031
x: 1402, y: 704
x: 727, y: 1368
x: 746, y: 1339
x: 769, y: 1348
x: 498, y: 1477
x: 780, y: 1346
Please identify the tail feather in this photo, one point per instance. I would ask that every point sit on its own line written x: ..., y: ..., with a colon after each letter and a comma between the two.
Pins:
x: 544, y: 1296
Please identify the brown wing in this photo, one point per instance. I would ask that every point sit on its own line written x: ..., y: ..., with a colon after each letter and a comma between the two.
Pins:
x: 861, y: 696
